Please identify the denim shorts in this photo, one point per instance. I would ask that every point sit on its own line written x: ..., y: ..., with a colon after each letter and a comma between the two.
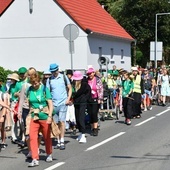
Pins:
x: 147, y: 92
x: 60, y: 113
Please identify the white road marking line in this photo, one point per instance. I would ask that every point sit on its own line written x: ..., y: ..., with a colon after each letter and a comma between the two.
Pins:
x: 147, y: 120
x: 105, y: 141
x: 162, y: 112
x: 55, y: 166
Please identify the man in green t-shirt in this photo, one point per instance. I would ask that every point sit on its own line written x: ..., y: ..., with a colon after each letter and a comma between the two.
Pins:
x: 23, y: 79
x: 113, y: 71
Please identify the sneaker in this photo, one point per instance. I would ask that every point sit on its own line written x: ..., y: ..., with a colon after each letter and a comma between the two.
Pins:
x: 34, y: 162
x: 83, y: 140
x: 8, y: 128
x: 95, y: 132
x: 79, y: 137
x: 3, y: 146
x: 49, y: 158
x: 57, y: 146
x: 125, y: 121
x: 138, y: 116
x: 92, y: 132
x: 150, y: 108
x: 74, y: 131
x: 128, y: 122
x: 29, y: 155
x: 145, y: 110
x: 110, y: 115
x: 62, y: 146
x: 21, y: 143
x: 14, y: 141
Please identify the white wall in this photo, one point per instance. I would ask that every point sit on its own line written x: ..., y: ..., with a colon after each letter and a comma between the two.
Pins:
x: 37, y: 39
x: 106, y: 45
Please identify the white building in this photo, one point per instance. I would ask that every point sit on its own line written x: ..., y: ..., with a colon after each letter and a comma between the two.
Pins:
x: 31, y: 35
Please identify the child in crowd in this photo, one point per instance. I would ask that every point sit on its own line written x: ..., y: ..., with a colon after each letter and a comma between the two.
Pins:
x: 154, y: 91
x: 70, y: 116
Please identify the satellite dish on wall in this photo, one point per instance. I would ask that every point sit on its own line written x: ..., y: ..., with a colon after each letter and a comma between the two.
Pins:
x: 103, y: 60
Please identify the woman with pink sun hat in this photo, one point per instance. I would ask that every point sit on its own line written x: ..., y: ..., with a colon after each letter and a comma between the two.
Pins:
x: 80, y: 97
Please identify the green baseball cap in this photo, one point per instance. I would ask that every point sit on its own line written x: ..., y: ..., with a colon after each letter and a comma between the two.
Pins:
x: 22, y: 70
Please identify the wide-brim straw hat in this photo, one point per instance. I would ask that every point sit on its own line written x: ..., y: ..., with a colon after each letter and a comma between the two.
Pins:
x: 14, y: 76
x: 120, y: 70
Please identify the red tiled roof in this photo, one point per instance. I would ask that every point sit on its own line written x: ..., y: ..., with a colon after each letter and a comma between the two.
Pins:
x: 89, y: 15
x: 4, y: 4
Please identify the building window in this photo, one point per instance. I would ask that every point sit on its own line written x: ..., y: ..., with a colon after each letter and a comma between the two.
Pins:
x: 100, y: 51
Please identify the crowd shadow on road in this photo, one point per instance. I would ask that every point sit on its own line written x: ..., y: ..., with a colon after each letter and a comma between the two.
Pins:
x: 120, y: 121
x: 8, y: 157
x: 142, y: 159
x: 157, y: 157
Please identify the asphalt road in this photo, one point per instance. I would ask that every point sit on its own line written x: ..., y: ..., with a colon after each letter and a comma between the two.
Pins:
x: 143, y: 145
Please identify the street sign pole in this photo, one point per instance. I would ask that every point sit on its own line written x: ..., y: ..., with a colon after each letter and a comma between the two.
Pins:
x: 156, y: 37
x: 70, y: 45
x: 71, y: 32
x: 155, y: 59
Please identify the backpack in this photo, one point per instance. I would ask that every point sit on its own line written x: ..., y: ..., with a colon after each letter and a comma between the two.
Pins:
x: 65, y: 82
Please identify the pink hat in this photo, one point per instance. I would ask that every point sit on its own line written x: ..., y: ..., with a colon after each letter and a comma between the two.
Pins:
x: 90, y: 70
x: 77, y: 75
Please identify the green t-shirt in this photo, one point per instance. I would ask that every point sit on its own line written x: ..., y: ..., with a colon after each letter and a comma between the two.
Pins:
x: 127, y: 85
x: 19, y: 84
x: 2, y: 88
x: 113, y: 72
x: 38, y: 99
x: 12, y: 91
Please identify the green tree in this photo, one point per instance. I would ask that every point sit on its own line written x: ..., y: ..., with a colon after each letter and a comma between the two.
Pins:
x: 3, y: 74
x: 138, y: 19
x: 111, y: 5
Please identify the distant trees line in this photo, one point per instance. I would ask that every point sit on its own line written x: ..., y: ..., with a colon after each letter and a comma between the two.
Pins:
x: 138, y: 19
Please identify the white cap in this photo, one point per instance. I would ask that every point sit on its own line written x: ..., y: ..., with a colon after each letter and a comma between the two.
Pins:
x: 134, y: 68
x: 46, y: 72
